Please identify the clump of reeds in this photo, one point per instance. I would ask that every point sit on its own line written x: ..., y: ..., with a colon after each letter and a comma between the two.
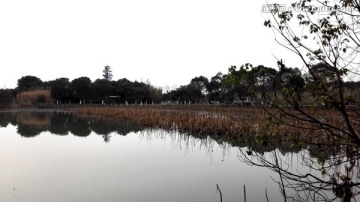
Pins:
x: 186, y: 121
x: 224, y: 122
x: 34, y: 98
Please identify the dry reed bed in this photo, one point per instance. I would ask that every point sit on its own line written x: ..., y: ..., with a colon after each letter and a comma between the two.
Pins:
x: 182, y: 121
x: 34, y: 97
x: 218, y: 121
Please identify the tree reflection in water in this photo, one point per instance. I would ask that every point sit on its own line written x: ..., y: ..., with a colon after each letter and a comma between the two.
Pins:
x: 321, y: 177
x: 33, y: 123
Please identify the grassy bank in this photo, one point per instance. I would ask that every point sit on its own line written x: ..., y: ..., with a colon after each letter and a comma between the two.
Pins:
x: 229, y: 122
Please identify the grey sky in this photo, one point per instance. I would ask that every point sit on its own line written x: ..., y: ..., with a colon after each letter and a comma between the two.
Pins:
x: 167, y: 42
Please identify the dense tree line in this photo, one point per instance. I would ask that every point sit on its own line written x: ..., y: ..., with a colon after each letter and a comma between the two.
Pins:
x: 83, y: 90
x: 241, y: 85
x: 249, y: 84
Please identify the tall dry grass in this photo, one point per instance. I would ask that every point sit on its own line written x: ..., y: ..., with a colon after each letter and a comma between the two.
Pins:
x: 183, y: 121
x: 34, y: 98
x: 226, y: 122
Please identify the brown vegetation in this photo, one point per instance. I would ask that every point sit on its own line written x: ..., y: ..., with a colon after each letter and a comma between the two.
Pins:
x: 229, y: 122
x: 34, y: 98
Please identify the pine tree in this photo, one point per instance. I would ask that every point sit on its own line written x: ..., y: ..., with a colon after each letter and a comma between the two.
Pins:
x: 107, y: 73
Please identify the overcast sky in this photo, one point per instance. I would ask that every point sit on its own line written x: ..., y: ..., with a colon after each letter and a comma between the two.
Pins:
x: 167, y: 42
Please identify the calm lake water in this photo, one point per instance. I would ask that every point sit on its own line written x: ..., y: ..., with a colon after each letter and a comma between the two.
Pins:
x: 55, y: 156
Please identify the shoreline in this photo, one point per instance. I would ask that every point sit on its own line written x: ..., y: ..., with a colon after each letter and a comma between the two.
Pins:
x: 224, y: 121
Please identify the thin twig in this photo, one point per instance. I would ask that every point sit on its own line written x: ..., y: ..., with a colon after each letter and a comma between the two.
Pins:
x: 244, y: 193
x: 218, y: 188
x: 267, y: 199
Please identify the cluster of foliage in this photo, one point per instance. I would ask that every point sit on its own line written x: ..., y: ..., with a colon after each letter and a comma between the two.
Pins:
x: 85, y: 91
x: 262, y: 84
x: 6, y: 97
x: 107, y: 73
x: 324, y: 35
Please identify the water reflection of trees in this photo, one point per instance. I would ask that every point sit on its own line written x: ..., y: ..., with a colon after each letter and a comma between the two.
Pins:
x: 321, y: 176
x: 103, y: 128
x: 33, y: 123
x: 28, y: 130
x: 59, y: 124
x: 5, y: 119
x: 79, y: 126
